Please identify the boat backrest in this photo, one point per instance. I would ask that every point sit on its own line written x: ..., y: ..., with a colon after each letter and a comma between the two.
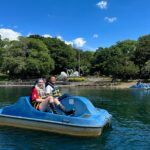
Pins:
x: 81, y: 105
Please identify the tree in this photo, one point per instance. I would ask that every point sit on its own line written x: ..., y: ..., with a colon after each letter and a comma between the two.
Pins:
x: 27, y: 58
x: 127, y: 47
x: 128, y: 68
x: 107, y: 61
x: 14, y: 66
x: 38, y: 61
x: 13, y: 62
x: 116, y: 60
x: 85, y: 61
x: 147, y: 68
x: 64, y: 56
x: 142, y: 53
x: 1, y: 52
x: 1, y: 43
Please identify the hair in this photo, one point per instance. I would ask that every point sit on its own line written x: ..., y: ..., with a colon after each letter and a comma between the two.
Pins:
x: 48, y: 79
x: 38, y: 80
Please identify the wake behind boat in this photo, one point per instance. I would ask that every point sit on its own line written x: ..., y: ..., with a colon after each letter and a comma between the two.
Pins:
x: 87, y: 120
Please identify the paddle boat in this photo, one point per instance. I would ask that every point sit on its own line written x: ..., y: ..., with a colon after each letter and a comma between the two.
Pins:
x: 87, y: 120
x: 141, y: 86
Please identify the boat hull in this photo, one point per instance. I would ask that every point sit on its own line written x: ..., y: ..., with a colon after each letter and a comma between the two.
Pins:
x: 48, y: 126
x: 87, y: 120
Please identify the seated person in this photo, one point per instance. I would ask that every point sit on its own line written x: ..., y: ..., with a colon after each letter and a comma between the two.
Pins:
x: 38, y: 98
x: 53, y: 90
x: 139, y: 82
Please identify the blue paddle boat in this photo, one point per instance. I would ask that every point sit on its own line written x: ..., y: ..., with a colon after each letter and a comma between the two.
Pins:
x: 87, y: 120
x: 141, y: 86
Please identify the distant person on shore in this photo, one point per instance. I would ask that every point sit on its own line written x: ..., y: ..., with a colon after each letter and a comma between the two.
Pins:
x: 53, y: 90
x: 38, y: 98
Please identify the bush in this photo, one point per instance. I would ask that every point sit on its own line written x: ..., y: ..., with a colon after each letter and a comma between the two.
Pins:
x: 3, y: 77
x: 76, y: 79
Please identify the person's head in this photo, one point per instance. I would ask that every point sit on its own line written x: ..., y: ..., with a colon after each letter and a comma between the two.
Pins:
x: 52, y: 79
x: 40, y: 82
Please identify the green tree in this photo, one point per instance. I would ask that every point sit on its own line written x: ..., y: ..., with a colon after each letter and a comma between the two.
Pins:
x: 142, y: 53
x: 85, y: 61
x: 38, y: 61
x: 128, y: 68
x: 64, y: 56
x: 116, y: 60
x: 147, y: 68
x: 27, y: 58
x: 1, y: 52
x: 127, y: 47
x: 107, y: 61
x: 1, y: 43
x: 13, y: 62
x: 15, y: 67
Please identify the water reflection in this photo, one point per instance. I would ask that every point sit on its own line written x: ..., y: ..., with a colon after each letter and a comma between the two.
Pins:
x: 140, y: 93
x: 43, y: 140
x: 9, y: 95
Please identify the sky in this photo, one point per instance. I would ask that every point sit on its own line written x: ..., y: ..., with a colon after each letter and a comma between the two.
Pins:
x: 85, y: 24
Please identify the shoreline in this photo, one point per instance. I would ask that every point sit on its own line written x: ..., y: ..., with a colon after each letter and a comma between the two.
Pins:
x: 122, y: 85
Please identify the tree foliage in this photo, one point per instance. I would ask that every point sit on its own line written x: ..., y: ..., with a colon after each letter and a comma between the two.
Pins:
x: 27, y: 57
x: 64, y: 55
x: 37, y: 56
x: 116, y: 60
x: 142, y: 53
x: 85, y: 61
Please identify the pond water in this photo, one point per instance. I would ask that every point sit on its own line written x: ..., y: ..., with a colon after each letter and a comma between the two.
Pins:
x: 130, y: 124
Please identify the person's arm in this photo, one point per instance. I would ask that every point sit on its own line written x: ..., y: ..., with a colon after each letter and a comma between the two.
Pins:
x: 35, y: 97
x: 39, y: 100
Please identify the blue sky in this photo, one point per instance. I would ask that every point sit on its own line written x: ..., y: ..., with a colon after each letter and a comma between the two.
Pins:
x: 87, y: 24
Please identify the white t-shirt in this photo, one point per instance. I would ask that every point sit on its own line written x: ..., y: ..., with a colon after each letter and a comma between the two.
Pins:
x: 49, y: 90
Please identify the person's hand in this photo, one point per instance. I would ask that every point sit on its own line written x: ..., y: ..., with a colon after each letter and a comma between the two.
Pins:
x: 43, y: 97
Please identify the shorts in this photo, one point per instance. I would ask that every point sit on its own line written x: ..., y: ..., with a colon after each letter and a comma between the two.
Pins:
x: 36, y: 104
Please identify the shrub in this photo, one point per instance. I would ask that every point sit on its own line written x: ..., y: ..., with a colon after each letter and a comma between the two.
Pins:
x: 76, y: 79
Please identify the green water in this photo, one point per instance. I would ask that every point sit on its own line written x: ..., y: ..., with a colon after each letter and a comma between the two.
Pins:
x: 130, y: 124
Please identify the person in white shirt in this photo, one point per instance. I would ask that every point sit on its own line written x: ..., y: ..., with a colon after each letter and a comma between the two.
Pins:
x: 53, y: 90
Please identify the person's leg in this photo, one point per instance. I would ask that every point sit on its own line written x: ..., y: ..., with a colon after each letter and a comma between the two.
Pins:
x: 62, y: 108
x: 56, y: 101
x: 43, y: 105
x: 46, y: 103
x: 63, y: 96
x: 52, y: 104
